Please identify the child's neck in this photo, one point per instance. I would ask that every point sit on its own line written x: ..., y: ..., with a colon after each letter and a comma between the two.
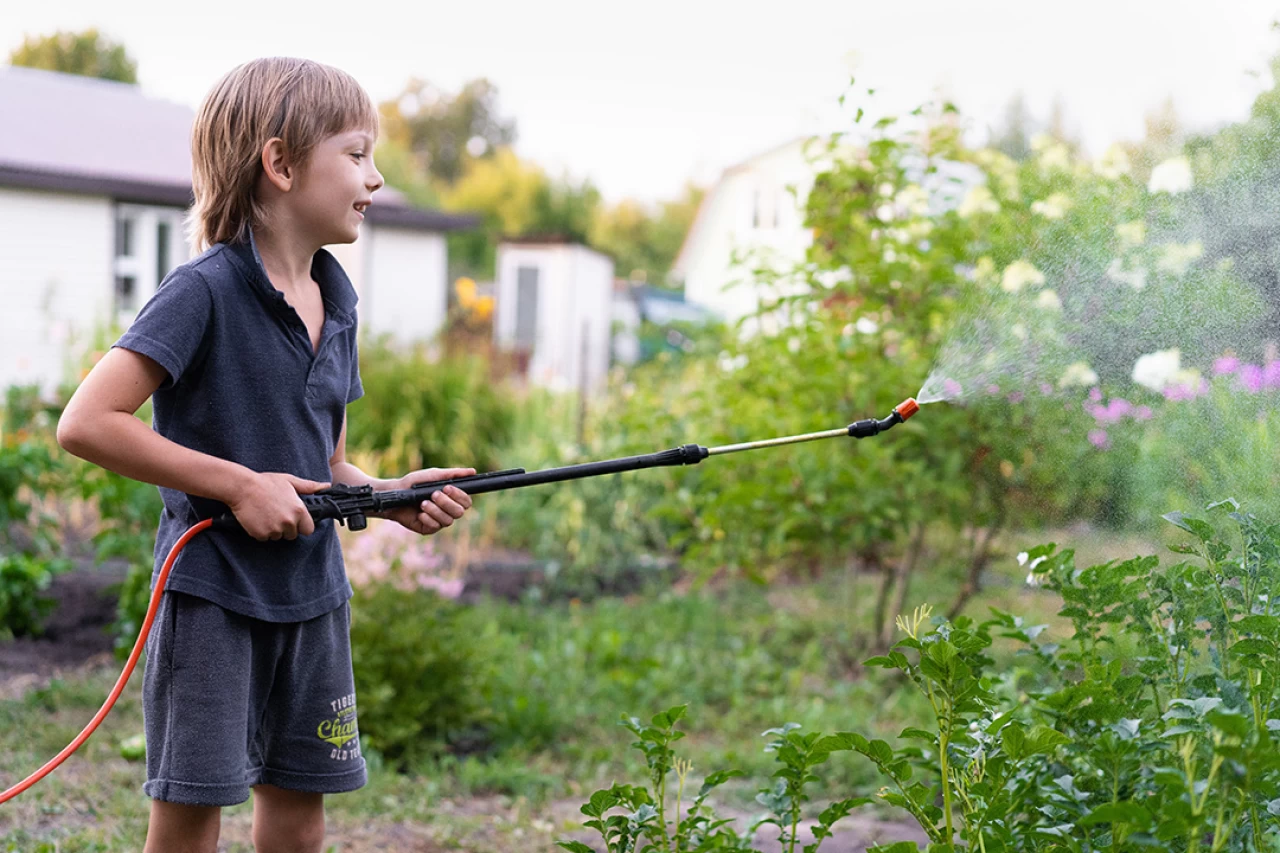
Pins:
x: 287, y: 258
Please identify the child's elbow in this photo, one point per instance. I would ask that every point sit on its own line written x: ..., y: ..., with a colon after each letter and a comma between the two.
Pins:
x: 71, y: 433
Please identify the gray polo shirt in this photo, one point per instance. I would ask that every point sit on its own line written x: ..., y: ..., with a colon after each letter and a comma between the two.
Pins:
x: 244, y: 385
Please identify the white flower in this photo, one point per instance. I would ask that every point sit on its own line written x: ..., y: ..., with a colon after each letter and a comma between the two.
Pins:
x: 978, y: 200
x: 886, y: 189
x: 1019, y: 274
x: 1176, y: 258
x: 1113, y: 163
x: 1053, y: 207
x: 1158, y: 370
x: 1078, y: 375
x: 867, y: 326
x: 1053, y: 154
x: 1048, y: 300
x: 793, y: 345
x: 1019, y: 331
x: 1132, y: 233
x: 1137, y: 279
x: 1171, y: 176
x: 885, y: 213
x: 913, y: 199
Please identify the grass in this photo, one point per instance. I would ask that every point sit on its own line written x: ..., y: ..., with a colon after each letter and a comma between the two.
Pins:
x: 744, y: 658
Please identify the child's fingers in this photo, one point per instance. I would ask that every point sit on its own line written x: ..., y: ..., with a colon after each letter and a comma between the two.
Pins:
x: 436, y: 513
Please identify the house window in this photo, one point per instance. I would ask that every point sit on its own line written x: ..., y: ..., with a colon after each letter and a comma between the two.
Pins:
x: 124, y: 237
x: 526, y: 307
x: 162, y: 250
x: 126, y: 293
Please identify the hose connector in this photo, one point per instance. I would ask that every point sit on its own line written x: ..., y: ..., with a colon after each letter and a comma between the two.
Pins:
x: 871, y: 426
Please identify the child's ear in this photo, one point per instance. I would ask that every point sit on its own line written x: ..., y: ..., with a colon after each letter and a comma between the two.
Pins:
x: 276, y: 165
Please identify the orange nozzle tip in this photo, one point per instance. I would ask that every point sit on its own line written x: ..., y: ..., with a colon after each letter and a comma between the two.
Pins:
x: 907, y: 408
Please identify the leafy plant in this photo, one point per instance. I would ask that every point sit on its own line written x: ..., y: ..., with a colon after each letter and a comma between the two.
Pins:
x: 22, y: 579
x: 422, y: 676
x: 699, y: 829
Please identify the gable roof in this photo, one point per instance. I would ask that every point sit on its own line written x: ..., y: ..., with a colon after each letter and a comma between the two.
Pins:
x: 84, y: 135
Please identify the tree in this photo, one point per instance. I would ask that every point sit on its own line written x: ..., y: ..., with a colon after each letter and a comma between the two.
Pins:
x: 445, y: 132
x: 87, y: 53
x: 644, y: 243
x: 1014, y: 137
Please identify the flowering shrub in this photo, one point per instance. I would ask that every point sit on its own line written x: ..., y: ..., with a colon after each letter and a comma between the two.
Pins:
x: 388, y: 553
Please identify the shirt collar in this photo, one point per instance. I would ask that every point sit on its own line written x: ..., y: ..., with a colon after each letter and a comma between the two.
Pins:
x: 335, y: 287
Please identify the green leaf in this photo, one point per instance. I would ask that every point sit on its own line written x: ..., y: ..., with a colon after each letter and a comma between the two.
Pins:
x: 1133, y: 814
x: 918, y: 734
x: 575, y: 847
x: 1202, y: 530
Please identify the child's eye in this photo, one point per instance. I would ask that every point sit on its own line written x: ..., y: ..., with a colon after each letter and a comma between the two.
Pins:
x: 357, y: 155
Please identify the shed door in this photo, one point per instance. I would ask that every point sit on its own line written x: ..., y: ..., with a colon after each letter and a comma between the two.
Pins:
x: 526, y: 307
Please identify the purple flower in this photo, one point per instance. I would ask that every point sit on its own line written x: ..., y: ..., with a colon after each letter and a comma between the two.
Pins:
x: 1143, y: 413
x: 1099, y: 439
x: 951, y: 388
x: 1226, y: 364
x: 1016, y: 397
x: 1179, y: 393
x: 1046, y: 388
x: 1251, y: 378
x: 1119, y: 408
x: 993, y: 389
x: 1095, y: 394
x: 1271, y: 375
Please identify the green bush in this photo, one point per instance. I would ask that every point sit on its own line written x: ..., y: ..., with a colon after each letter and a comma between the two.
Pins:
x: 419, y: 413
x: 22, y: 579
x: 423, y: 677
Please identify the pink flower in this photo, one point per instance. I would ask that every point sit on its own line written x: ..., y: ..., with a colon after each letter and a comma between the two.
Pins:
x: 1015, y: 397
x: 1226, y: 364
x: 1095, y: 394
x: 1143, y: 413
x: 951, y: 388
x: 1099, y: 438
x: 1046, y: 388
x: 1250, y: 377
x: 1271, y: 375
x: 993, y: 389
x: 1179, y: 393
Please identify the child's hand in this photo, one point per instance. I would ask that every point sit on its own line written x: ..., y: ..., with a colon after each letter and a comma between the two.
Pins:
x: 444, y: 507
x: 269, y: 508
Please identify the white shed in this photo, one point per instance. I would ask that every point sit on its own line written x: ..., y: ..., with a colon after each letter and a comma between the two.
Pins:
x: 95, y: 182
x: 553, y: 305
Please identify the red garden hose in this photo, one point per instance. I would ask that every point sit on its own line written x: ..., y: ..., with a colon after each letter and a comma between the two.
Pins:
x: 124, y: 676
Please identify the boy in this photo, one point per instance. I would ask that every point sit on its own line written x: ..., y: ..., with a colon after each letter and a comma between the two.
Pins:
x: 250, y: 353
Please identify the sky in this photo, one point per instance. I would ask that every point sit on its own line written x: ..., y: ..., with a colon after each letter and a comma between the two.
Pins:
x: 642, y: 98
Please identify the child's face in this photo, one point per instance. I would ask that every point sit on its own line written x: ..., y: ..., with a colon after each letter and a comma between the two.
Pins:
x: 336, y: 186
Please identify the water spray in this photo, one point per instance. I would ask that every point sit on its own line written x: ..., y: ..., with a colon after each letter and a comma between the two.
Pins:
x: 351, y: 505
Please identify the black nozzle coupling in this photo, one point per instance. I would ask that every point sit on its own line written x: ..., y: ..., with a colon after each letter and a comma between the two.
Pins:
x: 871, y: 426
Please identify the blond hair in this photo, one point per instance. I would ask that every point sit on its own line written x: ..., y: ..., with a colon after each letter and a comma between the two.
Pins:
x: 300, y: 101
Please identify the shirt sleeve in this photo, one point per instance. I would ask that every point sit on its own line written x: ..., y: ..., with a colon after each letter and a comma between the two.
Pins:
x: 355, y: 390
x: 173, y: 327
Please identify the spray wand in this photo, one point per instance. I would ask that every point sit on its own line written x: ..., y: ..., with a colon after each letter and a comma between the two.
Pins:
x: 351, y: 505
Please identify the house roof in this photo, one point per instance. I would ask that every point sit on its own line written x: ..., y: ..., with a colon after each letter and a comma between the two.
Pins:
x: 99, y: 137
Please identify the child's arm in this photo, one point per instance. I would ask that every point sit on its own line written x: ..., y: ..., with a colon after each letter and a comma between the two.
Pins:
x: 433, y: 515
x: 98, y: 425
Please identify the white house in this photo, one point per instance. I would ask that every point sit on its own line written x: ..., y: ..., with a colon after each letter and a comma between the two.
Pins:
x: 755, y: 207
x: 553, y: 304
x: 756, y: 211
x: 95, y: 181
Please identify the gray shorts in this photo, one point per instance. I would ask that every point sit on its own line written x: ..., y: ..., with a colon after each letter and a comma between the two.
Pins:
x: 229, y: 702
